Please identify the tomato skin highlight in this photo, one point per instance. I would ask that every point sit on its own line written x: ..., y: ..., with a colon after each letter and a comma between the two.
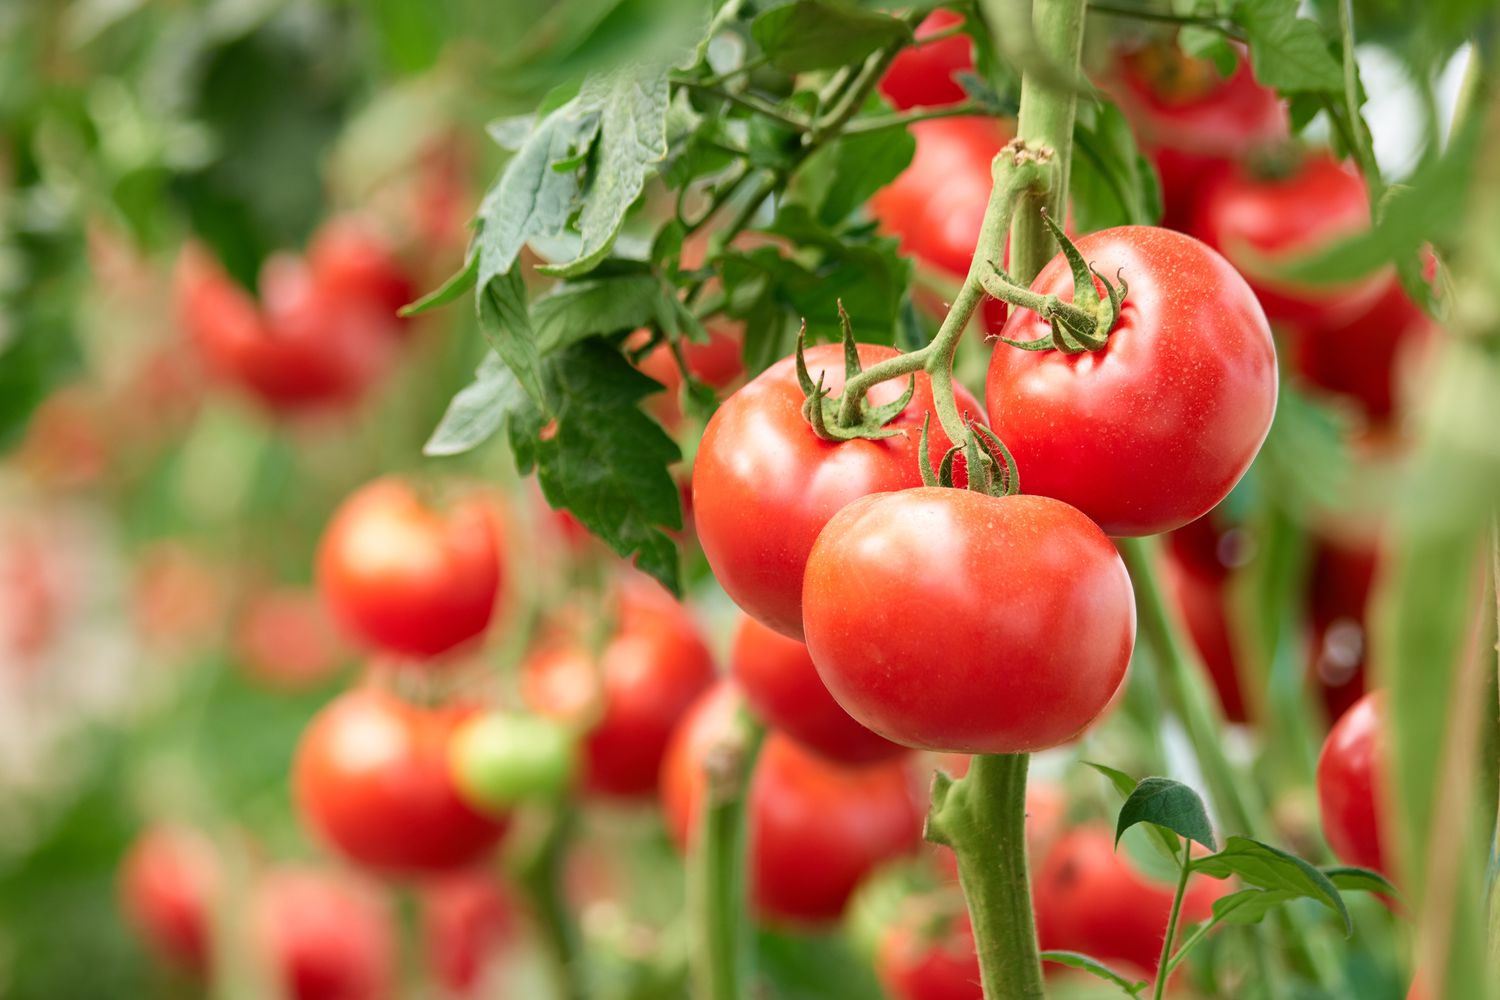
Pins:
x: 371, y: 777
x: 923, y: 75
x: 1153, y: 430
x: 1350, y: 772
x: 781, y: 685
x: 1018, y: 641
x: 816, y: 828
x: 764, y: 484
x: 403, y: 578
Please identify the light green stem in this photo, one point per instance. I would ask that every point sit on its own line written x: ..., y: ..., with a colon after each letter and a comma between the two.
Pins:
x: 1163, y: 966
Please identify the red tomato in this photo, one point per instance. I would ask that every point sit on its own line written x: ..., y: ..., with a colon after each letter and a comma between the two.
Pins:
x: 1153, y: 430
x: 921, y: 637
x: 1090, y: 898
x: 653, y: 666
x: 1350, y: 771
x: 1338, y: 593
x: 354, y: 263
x: 329, y: 936
x: 783, y: 689
x: 468, y: 919
x: 927, y: 962
x: 764, y: 484
x: 285, y: 639
x: 1192, y: 121
x: 1201, y: 598
x: 406, y: 579
x: 816, y: 828
x: 717, y: 363
x: 371, y: 777
x: 924, y: 74
x: 167, y: 883
x: 1259, y: 222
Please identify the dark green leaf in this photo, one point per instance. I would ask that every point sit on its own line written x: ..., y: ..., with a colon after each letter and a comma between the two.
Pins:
x: 504, y: 321
x: 1349, y: 879
x: 1091, y: 965
x: 478, y: 410
x: 1250, y: 906
x: 1271, y: 868
x: 448, y: 292
x: 1111, y: 182
x: 575, y: 311
x: 1287, y: 52
x: 820, y: 34
x: 1168, y: 804
x: 857, y: 166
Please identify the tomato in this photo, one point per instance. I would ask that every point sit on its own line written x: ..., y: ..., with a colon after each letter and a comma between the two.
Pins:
x: 505, y: 758
x: 652, y: 667
x: 783, y: 689
x: 924, y: 73
x: 1350, y: 770
x: 353, y: 262
x: 1192, y: 121
x: 950, y: 620
x: 404, y: 578
x: 1154, y: 429
x: 764, y: 484
x: 371, y: 778
x: 329, y: 936
x: 285, y: 640
x: 167, y: 882
x: 1338, y: 593
x: 467, y: 920
x: 1201, y: 594
x: 1259, y: 222
x: 816, y: 828
x: 716, y: 363
x: 931, y: 960
x: 1090, y: 898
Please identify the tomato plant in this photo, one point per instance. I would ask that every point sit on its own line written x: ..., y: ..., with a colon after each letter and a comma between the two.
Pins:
x: 1350, y: 773
x: 328, y: 936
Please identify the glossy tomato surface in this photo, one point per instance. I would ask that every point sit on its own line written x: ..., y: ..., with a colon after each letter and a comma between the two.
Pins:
x: 933, y: 960
x: 783, y: 689
x: 371, y: 778
x: 945, y: 619
x: 1153, y: 430
x: 1350, y: 770
x: 631, y: 696
x: 327, y: 936
x: 1261, y: 221
x: 404, y: 578
x: 764, y: 484
x: 816, y: 828
x: 167, y: 885
x: 924, y: 74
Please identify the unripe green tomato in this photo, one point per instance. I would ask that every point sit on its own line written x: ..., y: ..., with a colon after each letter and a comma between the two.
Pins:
x: 501, y: 759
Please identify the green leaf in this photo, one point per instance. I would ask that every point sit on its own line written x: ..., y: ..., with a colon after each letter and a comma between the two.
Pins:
x: 632, y: 143
x: 1271, y: 868
x: 1111, y: 182
x: 478, y: 410
x: 1250, y: 906
x: 857, y: 166
x: 1124, y: 783
x: 1350, y: 879
x: 1168, y: 804
x: 575, y: 311
x: 1089, y: 964
x: 1287, y: 52
x: 821, y: 34
x: 506, y: 325
x: 448, y: 292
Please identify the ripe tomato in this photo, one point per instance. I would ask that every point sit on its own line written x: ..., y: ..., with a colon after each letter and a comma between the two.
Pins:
x: 328, y: 936
x: 467, y: 920
x: 406, y: 579
x: 716, y: 363
x: 777, y: 676
x: 1191, y: 350
x: 931, y: 960
x: 1338, y: 593
x: 371, y: 777
x: 353, y: 262
x: 764, y: 484
x: 924, y: 73
x: 1259, y: 222
x: 1090, y: 898
x: 921, y: 637
x: 652, y: 667
x: 1350, y: 772
x: 285, y: 640
x: 167, y: 882
x: 816, y: 828
x: 1201, y: 596
x: 1191, y: 120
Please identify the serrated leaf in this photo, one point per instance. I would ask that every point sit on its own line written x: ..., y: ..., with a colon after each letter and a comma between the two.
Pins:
x: 1271, y: 868
x: 859, y: 165
x: 1091, y: 965
x: 578, y: 310
x: 1170, y: 805
x: 1249, y: 906
x: 1287, y: 52
x: 1111, y: 181
x: 477, y: 410
x: 1351, y: 879
x: 820, y: 34
x: 504, y: 321
x: 1124, y: 783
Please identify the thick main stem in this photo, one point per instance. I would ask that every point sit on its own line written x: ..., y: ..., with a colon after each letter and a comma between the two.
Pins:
x: 982, y: 817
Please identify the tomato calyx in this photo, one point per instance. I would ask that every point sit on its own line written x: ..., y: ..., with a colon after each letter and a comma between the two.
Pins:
x: 1083, y: 324
x: 992, y: 468
x: 844, y: 417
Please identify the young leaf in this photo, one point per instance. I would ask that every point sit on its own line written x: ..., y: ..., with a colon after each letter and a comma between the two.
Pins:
x: 1287, y: 52
x: 1271, y: 868
x: 1250, y: 906
x: 1124, y: 783
x: 1168, y: 804
x: 478, y: 410
x: 821, y: 34
x: 1089, y: 964
x: 505, y: 324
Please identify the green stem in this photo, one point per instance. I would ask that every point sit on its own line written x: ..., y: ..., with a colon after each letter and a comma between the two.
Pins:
x: 982, y: 817
x: 540, y: 878
x: 900, y: 119
x: 1048, y: 109
x: 1364, y: 148
x: 749, y: 104
x: 1164, y: 972
x: 1163, y: 17
x: 1166, y: 946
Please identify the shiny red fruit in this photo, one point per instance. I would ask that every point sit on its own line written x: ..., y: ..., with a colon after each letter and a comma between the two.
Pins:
x: 1350, y: 772
x: 327, y: 936
x: 924, y: 74
x: 816, y: 828
x: 930, y: 961
x: 371, y: 777
x: 468, y: 920
x: 402, y: 577
x: 716, y: 363
x: 921, y: 636
x: 167, y: 883
x: 353, y: 262
x: 764, y: 484
x: 1153, y: 430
